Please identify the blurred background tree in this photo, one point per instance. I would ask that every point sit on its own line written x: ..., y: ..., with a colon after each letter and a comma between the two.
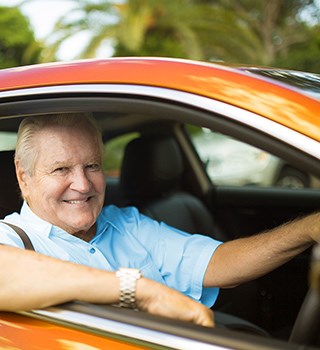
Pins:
x: 137, y: 27
x: 279, y: 33
x: 17, y: 42
x: 271, y: 32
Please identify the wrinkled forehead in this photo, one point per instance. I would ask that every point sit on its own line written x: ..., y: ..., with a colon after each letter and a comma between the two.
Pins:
x: 52, y: 138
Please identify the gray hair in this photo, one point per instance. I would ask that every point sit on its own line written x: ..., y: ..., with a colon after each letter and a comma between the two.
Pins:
x: 26, y: 150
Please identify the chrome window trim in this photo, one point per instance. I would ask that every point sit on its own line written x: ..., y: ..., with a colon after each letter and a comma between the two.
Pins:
x: 248, y: 118
x: 125, y: 330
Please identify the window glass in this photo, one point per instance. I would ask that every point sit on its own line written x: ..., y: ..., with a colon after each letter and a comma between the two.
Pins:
x: 8, y: 141
x: 114, y: 151
x: 232, y: 162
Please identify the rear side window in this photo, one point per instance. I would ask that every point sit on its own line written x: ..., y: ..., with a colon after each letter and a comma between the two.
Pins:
x: 114, y: 152
x: 8, y: 141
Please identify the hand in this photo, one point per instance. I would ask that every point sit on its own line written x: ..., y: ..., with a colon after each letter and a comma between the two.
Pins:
x: 160, y: 300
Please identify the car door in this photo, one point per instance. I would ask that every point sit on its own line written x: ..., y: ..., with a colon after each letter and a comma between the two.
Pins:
x: 247, y: 195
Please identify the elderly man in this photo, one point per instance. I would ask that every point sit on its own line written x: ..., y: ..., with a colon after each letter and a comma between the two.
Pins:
x: 58, y: 165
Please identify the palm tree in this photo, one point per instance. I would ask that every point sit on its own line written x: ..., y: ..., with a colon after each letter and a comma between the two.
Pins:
x: 259, y: 32
x: 242, y: 31
x: 136, y: 27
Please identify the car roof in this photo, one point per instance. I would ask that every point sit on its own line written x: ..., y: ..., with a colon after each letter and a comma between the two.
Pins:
x: 305, y: 81
x: 269, y: 98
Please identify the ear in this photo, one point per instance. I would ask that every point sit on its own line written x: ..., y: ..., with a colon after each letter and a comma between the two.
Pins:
x: 23, y: 179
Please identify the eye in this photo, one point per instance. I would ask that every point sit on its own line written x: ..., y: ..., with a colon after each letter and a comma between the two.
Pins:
x: 60, y: 170
x: 94, y: 166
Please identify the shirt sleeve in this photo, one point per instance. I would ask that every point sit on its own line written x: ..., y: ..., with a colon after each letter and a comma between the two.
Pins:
x: 182, y: 258
x: 185, y: 259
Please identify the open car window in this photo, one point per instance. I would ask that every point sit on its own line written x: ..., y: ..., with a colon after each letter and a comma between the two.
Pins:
x: 7, y: 140
x: 232, y: 162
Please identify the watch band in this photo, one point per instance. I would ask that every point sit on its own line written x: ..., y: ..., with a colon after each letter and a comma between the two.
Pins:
x: 128, y: 279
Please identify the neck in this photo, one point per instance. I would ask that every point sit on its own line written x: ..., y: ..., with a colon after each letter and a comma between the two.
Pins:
x: 86, y: 235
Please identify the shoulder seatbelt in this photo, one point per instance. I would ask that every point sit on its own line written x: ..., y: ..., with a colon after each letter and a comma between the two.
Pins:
x: 24, y: 237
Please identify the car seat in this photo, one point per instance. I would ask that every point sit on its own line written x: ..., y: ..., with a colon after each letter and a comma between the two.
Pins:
x: 10, y: 197
x: 151, y: 180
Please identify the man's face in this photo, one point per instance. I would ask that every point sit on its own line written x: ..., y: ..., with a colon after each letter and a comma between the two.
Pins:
x: 68, y: 185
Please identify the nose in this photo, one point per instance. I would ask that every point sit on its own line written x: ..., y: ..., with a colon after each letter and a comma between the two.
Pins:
x: 80, y: 181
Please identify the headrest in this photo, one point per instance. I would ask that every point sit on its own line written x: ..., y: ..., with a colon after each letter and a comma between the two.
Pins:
x: 10, y: 198
x: 151, y: 166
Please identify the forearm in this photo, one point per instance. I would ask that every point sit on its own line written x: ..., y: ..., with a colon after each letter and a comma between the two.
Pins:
x: 244, y: 259
x: 31, y: 280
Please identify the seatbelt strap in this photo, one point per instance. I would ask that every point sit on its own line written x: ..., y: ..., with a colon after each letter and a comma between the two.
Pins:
x: 24, y: 237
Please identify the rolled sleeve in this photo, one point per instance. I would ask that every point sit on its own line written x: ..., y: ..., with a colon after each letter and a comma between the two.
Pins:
x: 189, y: 262
x: 182, y: 259
x: 206, y: 296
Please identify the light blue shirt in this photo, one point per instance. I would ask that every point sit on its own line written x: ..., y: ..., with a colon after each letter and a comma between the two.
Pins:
x: 125, y: 238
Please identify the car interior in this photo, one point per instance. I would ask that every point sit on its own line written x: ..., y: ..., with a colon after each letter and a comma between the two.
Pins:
x: 159, y: 171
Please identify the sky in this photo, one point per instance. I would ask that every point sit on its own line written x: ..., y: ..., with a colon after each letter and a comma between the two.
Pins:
x: 42, y: 15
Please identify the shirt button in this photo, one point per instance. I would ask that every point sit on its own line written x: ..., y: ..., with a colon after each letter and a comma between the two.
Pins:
x: 92, y: 250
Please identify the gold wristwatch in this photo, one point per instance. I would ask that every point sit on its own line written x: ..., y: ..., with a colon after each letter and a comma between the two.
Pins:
x: 128, y: 279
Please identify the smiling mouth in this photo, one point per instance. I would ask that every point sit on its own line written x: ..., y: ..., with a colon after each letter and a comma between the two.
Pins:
x: 78, y: 201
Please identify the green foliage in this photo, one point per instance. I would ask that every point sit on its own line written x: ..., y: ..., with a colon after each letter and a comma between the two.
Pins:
x: 260, y: 32
x: 114, y: 153
x: 267, y: 32
x: 156, y: 43
x: 17, y: 43
x: 136, y: 27
x: 194, y: 129
x: 303, y: 56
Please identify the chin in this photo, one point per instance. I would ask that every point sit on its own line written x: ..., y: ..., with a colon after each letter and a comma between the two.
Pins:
x: 80, y: 222
x: 83, y: 227
x: 78, y: 226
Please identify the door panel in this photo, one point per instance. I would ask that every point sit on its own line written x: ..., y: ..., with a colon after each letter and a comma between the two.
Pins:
x: 272, y: 301
x: 247, y: 210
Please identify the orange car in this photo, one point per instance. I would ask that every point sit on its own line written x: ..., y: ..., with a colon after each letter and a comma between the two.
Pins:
x: 276, y: 111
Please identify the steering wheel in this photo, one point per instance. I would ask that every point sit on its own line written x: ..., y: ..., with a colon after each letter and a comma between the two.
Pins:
x: 307, y: 325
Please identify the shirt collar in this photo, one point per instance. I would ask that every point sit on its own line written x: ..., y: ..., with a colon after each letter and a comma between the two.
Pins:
x: 45, y: 228
x: 102, y: 223
x: 39, y: 225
